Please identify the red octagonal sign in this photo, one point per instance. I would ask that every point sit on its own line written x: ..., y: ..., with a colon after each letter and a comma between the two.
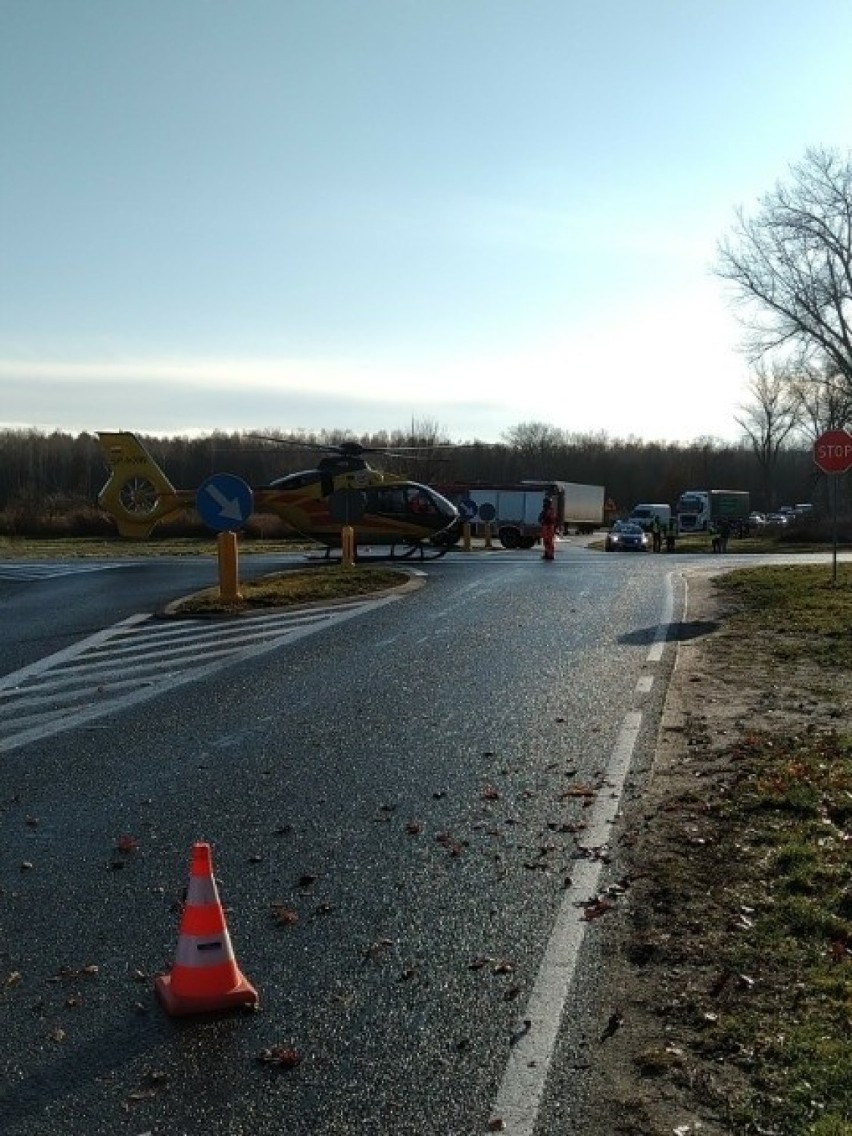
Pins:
x: 833, y: 451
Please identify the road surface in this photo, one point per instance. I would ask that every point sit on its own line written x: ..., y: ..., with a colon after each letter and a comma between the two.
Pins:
x: 411, y: 802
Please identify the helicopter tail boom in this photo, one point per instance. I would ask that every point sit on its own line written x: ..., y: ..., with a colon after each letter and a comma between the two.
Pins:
x: 138, y: 495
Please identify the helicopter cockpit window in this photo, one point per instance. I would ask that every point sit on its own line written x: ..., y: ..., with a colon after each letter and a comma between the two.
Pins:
x: 386, y: 500
x: 420, y: 502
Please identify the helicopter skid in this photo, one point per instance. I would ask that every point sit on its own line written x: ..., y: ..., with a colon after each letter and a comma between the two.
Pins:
x: 373, y: 554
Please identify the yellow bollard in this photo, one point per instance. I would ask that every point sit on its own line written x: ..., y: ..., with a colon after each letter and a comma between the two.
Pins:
x: 466, y: 536
x: 347, y: 545
x: 488, y: 534
x: 229, y: 589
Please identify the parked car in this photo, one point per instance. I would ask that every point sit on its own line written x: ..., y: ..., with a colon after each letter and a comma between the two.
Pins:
x: 756, y: 520
x: 624, y: 536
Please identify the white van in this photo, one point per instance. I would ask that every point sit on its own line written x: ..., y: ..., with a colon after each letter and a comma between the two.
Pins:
x: 644, y: 515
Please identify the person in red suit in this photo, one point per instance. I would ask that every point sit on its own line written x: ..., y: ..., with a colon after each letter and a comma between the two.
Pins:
x: 547, y: 520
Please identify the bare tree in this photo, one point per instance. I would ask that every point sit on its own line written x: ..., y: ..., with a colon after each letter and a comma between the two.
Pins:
x: 825, y: 401
x: 790, y: 266
x: 769, y: 420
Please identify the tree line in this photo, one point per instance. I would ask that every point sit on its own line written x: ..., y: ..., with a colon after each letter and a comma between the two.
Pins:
x: 49, y: 482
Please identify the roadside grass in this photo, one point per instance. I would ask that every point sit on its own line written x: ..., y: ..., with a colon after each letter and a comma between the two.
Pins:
x: 785, y: 1020
x: 809, y: 612
x: 44, y: 548
x: 755, y: 886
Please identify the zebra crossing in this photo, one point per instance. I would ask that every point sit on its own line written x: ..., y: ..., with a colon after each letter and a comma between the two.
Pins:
x: 141, y: 656
x: 51, y: 569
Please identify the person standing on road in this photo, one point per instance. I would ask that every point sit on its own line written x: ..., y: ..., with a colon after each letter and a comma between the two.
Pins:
x: 656, y: 534
x: 547, y: 520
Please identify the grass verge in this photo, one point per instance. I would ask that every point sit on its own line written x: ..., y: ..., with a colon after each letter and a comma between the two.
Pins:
x: 743, y: 930
x: 114, y: 548
x: 297, y: 586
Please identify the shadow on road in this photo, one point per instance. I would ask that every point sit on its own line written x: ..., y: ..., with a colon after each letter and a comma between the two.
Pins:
x: 675, y: 633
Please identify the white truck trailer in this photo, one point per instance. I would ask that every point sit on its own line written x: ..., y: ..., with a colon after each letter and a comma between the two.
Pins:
x: 511, y: 509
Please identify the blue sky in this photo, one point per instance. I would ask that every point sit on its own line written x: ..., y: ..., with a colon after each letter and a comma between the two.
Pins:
x: 319, y: 214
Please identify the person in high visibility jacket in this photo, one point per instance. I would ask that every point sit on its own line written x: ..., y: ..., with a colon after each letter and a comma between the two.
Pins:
x: 547, y: 520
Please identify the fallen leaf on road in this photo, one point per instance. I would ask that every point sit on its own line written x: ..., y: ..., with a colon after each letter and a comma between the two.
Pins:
x: 614, y: 1023
x: 284, y: 916
x: 378, y: 948
x: 596, y: 908
x: 480, y: 962
x: 282, y: 1056
x: 66, y: 974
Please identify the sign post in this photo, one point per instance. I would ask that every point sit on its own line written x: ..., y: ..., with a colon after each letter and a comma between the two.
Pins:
x: 225, y: 502
x: 833, y: 455
x: 347, y: 505
x: 487, y: 512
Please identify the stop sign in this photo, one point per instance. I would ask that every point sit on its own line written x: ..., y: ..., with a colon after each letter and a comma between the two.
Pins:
x: 833, y: 451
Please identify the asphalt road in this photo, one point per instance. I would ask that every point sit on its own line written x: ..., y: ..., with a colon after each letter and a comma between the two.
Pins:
x: 426, y: 787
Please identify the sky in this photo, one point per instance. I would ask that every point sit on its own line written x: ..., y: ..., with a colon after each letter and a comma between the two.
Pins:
x: 366, y: 215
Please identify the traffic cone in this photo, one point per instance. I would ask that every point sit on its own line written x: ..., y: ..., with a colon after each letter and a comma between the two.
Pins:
x: 205, y: 976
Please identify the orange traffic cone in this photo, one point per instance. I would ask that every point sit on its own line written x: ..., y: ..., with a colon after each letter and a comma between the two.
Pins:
x: 205, y: 976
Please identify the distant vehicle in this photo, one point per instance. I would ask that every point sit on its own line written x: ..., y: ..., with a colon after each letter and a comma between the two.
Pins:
x: 779, y: 519
x: 757, y: 520
x: 625, y: 536
x: 515, y: 507
x: 701, y: 510
x: 643, y: 515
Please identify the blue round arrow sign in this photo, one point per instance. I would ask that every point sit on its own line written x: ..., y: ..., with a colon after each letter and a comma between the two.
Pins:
x: 224, y: 502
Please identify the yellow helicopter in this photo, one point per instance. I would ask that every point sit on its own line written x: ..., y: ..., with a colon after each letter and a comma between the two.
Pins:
x: 384, y: 509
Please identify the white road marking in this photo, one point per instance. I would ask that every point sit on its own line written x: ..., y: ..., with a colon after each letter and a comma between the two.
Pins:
x: 53, y: 569
x: 522, y: 1088
x: 132, y: 661
x: 645, y: 684
x: 655, y: 654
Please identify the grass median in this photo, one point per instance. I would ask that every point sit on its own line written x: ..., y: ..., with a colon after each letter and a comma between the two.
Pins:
x: 322, y: 583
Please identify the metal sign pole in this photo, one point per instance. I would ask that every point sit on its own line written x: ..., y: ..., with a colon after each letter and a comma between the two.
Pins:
x: 834, y: 477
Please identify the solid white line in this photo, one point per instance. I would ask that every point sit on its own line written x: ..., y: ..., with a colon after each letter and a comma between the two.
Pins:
x: 655, y: 654
x: 519, y: 1096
